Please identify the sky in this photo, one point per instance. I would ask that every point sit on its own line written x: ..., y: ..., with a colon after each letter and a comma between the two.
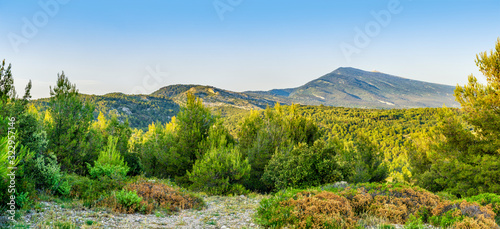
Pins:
x: 140, y: 46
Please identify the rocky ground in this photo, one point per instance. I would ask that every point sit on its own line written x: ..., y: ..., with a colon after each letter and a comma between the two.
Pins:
x: 221, y: 212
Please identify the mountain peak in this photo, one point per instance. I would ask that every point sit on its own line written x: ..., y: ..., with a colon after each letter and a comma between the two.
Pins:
x: 352, y: 87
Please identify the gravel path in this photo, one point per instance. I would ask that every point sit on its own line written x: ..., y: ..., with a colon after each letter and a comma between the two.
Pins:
x: 221, y: 212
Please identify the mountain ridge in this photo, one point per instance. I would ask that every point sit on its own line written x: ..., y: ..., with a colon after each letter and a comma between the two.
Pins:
x: 351, y: 87
x: 343, y: 87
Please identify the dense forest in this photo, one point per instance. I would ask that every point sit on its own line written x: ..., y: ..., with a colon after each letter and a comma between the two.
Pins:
x: 322, y: 167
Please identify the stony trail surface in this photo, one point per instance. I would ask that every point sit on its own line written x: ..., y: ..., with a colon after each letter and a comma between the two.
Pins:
x: 220, y: 212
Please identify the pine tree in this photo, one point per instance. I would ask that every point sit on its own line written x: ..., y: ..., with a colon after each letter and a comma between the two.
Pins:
x: 463, y: 156
x: 71, y: 121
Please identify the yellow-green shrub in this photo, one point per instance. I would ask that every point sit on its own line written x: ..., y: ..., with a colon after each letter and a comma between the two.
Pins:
x: 220, y: 171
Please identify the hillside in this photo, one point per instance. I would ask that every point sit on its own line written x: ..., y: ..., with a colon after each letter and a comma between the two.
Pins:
x: 214, y: 97
x: 350, y: 87
x: 140, y: 110
x: 344, y: 87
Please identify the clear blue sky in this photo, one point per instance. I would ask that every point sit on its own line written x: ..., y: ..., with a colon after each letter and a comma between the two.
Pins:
x: 108, y: 46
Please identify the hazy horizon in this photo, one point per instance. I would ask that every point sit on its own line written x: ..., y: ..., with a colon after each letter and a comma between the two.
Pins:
x: 240, y: 45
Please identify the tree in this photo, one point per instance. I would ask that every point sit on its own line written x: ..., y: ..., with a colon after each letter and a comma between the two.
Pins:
x: 261, y: 135
x: 193, y: 123
x: 7, y: 90
x: 303, y: 166
x: 463, y: 156
x: 481, y: 103
x: 71, y: 120
x: 368, y: 163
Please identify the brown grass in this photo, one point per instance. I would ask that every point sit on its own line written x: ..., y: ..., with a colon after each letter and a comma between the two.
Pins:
x: 315, y: 210
x: 156, y: 195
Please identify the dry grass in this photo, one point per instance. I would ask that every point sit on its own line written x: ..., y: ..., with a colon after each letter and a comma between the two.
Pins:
x: 156, y: 195
x: 368, y: 204
x: 316, y: 210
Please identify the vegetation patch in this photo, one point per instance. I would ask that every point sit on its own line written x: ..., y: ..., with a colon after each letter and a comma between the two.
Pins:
x: 150, y: 195
x: 347, y: 206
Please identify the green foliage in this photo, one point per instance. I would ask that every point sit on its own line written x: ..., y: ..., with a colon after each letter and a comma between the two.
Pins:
x: 71, y: 120
x: 261, y: 135
x: 414, y: 223
x: 7, y: 90
x: 170, y: 150
x: 220, y: 172
x: 109, y: 163
x: 23, y: 184
x: 480, y: 102
x: 488, y: 199
x: 343, y: 206
x: 92, y: 191
x: 460, y: 155
x: 128, y: 198
x: 368, y: 163
x: 303, y: 166
x: 47, y: 174
x: 192, y: 126
x: 156, y: 150
x: 22, y: 199
x: 392, y: 131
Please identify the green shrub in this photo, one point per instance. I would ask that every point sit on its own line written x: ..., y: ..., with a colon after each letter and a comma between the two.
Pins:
x: 304, y: 166
x: 47, y: 174
x: 108, y: 170
x: 446, y: 196
x: 109, y: 163
x: 92, y: 191
x: 414, y: 222
x: 22, y: 199
x: 24, y: 184
x: 486, y: 199
x: 128, y: 198
x: 220, y: 171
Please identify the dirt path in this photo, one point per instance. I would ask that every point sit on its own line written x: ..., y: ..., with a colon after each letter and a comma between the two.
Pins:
x: 221, y: 212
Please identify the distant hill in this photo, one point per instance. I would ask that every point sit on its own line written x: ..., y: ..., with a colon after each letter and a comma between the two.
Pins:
x: 214, y: 97
x: 350, y: 87
x: 344, y: 87
x: 140, y: 110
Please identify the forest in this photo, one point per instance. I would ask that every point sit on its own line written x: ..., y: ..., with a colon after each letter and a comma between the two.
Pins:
x: 318, y: 166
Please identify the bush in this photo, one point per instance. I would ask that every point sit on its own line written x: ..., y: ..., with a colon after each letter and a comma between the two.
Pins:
x: 220, y: 172
x: 463, y: 215
x: 109, y: 163
x: 128, y: 199
x: 306, y: 209
x: 92, y: 191
x: 47, y: 175
x: 394, y: 202
x: 341, y: 206
x: 488, y: 199
x: 303, y: 166
x: 160, y: 195
x: 24, y: 185
x: 112, y: 171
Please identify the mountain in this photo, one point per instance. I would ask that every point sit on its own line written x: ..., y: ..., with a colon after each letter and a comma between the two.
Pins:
x: 350, y: 87
x: 346, y: 87
x: 214, y: 97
